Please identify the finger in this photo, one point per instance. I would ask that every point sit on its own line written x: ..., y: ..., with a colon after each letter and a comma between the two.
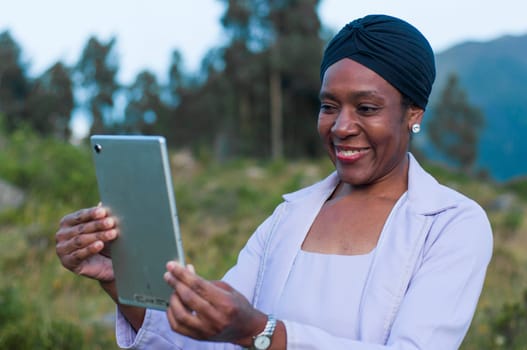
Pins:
x: 69, y: 232
x: 188, y: 298
x: 180, y: 319
x: 75, y: 259
x: 103, y: 224
x: 84, y: 215
x: 223, y: 285
x: 170, y: 278
x: 189, y: 322
x: 199, y: 285
x: 193, y: 300
x: 80, y: 241
x: 196, y: 293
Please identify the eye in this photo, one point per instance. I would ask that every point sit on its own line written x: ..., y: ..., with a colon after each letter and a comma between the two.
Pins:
x: 327, y: 108
x: 366, y: 109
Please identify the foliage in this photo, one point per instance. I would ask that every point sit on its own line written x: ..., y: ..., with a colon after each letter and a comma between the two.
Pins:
x: 51, y: 102
x: 455, y: 126
x: 509, y: 325
x: 518, y: 186
x: 296, y: 60
x: 23, y: 327
x: 96, y: 73
x: 145, y: 106
x: 48, y: 168
x: 44, y: 104
x: 14, y: 83
x: 16, y: 317
x: 235, y: 104
x: 505, y: 328
x: 256, y: 95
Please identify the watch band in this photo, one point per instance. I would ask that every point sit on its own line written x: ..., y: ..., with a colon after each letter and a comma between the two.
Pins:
x: 263, y: 340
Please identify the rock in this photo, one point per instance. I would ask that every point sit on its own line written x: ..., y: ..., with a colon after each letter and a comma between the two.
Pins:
x: 10, y: 196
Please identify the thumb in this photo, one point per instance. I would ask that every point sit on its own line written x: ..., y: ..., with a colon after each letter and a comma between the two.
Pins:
x: 223, y: 285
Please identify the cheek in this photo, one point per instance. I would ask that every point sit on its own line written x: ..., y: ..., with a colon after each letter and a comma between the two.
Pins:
x: 394, y: 141
x: 324, y: 125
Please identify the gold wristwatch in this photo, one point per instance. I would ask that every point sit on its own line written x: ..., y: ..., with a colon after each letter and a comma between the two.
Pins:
x: 263, y: 340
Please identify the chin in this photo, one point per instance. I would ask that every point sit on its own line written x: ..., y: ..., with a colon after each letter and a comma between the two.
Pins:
x: 352, y: 179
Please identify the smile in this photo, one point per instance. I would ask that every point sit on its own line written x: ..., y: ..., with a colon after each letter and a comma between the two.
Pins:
x: 350, y: 154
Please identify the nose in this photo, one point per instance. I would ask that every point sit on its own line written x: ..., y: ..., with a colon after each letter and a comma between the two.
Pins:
x: 346, y: 124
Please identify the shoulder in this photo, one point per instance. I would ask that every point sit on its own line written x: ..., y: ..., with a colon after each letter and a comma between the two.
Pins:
x: 455, y: 216
x: 323, y: 187
x: 427, y: 196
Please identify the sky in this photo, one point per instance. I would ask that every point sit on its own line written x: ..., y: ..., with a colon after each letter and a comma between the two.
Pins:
x: 148, y: 31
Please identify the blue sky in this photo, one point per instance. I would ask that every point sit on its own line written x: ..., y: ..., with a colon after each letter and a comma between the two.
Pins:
x: 148, y: 31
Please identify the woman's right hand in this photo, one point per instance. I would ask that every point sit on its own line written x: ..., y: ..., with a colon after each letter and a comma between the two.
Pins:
x: 82, y: 243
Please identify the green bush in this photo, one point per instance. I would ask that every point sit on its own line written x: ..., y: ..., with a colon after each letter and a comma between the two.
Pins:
x: 518, y: 187
x: 509, y: 325
x: 48, y: 169
x: 22, y: 327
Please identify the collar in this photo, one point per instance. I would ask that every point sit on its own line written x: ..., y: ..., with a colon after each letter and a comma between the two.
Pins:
x: 426, y: 196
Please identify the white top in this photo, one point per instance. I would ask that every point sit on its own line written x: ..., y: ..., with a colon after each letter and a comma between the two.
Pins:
x: 309, y: 295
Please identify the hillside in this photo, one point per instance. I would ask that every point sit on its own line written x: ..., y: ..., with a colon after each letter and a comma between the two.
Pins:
x: 217, y: 215
x: 494, y: 74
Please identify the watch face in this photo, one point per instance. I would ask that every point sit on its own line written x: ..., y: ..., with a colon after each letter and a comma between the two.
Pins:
x: 262, y: 342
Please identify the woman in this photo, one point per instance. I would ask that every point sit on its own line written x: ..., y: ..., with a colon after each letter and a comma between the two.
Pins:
x: 376, y: 256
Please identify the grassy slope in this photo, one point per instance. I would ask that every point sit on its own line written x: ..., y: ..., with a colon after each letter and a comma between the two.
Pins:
x: 219, y: 205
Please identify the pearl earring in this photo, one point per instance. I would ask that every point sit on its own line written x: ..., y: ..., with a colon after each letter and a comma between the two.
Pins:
x: 416, y: 128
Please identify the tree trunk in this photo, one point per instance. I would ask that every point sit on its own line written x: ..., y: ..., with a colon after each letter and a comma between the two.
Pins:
x: 275, y: 88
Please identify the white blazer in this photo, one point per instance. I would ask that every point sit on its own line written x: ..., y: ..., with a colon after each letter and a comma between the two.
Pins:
x: 423, y: 285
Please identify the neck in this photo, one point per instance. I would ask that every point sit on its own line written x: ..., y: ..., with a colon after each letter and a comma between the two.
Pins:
x: 391, y: 186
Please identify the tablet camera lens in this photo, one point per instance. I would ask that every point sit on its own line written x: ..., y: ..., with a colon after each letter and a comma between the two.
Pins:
x: 97, y: 148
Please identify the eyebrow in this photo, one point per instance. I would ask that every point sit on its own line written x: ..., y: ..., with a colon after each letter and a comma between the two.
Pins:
x: 352, y: 95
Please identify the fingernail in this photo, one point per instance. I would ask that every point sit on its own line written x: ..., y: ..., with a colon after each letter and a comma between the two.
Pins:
x: 99, y: 212
x: 166, y: 276
x: 171, y: 265
x: 111, y: 234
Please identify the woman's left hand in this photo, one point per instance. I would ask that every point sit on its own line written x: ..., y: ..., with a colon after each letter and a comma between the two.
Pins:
x: 210, y: 310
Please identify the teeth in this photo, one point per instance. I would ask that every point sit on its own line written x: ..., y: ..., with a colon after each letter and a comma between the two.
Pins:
x: 348, y: 152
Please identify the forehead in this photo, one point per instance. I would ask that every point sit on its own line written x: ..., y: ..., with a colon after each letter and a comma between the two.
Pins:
x: 347, y: 76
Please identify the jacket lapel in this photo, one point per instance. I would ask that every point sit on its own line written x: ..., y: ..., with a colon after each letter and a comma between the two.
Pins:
x: 398, y: 252
x: 286, y: 239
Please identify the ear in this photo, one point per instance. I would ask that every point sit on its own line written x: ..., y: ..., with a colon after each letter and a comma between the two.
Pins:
x: 414, y: 115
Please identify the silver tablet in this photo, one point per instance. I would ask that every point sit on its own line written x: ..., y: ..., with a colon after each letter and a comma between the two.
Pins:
x: 134, y: 180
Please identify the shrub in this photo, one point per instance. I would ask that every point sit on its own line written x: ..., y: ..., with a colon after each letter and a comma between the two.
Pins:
x: 22, y: 328
x: 49, y: 169
x: 509, y: 324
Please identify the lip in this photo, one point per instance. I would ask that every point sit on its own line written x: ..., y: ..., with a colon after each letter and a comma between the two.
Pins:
x: 350, y: 154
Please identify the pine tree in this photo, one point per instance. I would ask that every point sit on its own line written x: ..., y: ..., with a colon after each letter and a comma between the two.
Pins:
x: 145, y: 106
x: 14, y: 83
x: 456, y: 125
x: 96, y: 72
x: 51, y: 102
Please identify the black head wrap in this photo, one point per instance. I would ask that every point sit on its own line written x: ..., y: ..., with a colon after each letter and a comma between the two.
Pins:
x: 392, y: 48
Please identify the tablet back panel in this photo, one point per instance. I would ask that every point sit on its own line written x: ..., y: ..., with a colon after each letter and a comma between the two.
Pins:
x: 134, y: 180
